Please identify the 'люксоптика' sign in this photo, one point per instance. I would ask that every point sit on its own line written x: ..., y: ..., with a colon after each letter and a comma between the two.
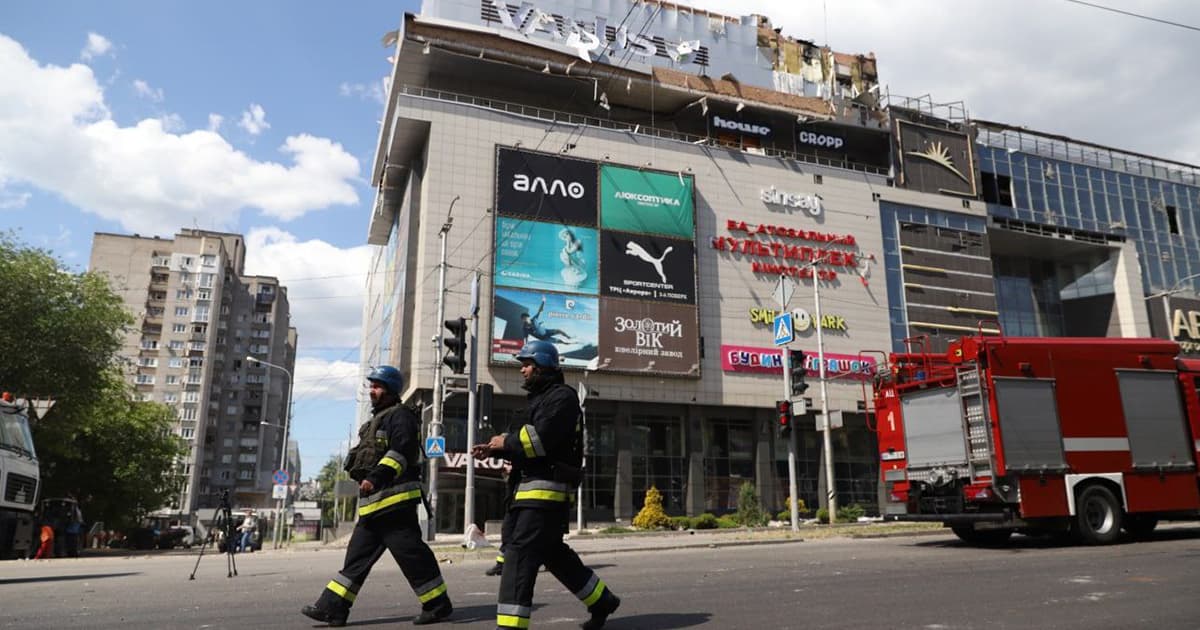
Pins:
x: 647, y: 202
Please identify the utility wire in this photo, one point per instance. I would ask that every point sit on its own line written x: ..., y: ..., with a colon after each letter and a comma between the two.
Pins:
x: 1135, y: 15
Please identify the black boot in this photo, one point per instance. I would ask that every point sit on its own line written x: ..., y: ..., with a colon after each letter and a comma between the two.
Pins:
x: 496, y: 569
x: 434, y: 615
x: 600, y: 612
x: 335, y: 619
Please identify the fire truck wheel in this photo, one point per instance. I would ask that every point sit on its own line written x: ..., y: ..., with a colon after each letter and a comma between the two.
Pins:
x: 981, y: 537
x: 1097, y: 516
x: 1139, y: 525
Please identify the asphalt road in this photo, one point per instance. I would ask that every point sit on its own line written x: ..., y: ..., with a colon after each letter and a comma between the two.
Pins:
x: 919, y: 582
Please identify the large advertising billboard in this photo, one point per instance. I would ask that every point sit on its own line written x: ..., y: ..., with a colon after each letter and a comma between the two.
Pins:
x: 619, y: 298
x: 567, y: 321
x: 649, y: 202
x: 545, y: 188
x: 639, y: 336
x: 645, y: 267
x: 546, y: 256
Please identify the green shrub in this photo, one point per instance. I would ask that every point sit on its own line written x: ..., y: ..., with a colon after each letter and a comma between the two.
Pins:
x: 652, y: 516
x: 615, y: 529
x: 750, y: 512
x: 850, y: 513
x: 729, y: 521
x: 823, y: 515
x: 705, y: 521
x: 681, y: 522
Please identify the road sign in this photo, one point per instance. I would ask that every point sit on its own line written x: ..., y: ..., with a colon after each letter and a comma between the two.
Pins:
x: 280, y: 477
x: 435, y: 447
x: 783, y: 291
x: 784, y: 333
x: 279, y: 491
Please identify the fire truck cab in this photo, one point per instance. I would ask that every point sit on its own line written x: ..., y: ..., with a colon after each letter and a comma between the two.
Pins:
x: 1086, y: 436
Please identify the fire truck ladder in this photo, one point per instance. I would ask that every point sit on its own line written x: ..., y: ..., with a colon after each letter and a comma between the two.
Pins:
x: 978, y: 437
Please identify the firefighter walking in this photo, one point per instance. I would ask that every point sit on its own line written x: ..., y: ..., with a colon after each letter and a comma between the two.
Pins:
x: 546, y: 456
x: 385, y: 463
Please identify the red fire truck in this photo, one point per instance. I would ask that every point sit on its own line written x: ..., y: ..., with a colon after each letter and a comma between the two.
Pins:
x: 1079, y: 436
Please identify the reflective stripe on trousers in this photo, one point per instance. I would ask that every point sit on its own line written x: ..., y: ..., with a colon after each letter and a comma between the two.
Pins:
x: 513, y: 616
x: 343, y: 587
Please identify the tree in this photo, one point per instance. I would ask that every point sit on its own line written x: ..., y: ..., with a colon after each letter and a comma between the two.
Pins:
x: 327, y: 480
x: 128, y: 462
x: 60, y: 333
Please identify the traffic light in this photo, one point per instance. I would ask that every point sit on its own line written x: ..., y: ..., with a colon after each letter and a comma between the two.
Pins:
x: 783, y: 410
x: 796, y: 364
x: 456, y: 343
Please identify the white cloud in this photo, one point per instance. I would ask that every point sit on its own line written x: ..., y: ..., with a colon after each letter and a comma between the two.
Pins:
x: 58, y: 135
x: 214, y: 122
x: 97, y: 46
x: 318, y: 379
x: 254, y: 120
x: 372, y: 91
x: 11, y: 199
x: 326, y: 284
x: 144, y: 90
x: 1055, y: 67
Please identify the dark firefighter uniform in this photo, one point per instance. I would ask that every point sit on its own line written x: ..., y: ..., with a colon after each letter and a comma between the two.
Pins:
x: 546, y: 455
x: 387, y: 519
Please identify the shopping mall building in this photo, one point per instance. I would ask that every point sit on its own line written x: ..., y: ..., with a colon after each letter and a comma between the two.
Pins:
x: 631, y: 180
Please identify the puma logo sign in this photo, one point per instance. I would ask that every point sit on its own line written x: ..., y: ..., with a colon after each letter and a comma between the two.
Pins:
x: 633, y: 249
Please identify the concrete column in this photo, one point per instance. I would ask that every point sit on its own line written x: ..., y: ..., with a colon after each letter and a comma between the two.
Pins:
x: 623, y: 492
x: 694, y: 444
x: 764, y: 465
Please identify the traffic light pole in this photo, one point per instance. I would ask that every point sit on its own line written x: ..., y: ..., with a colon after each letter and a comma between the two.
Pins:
x: 793, y: 488
x: 435, y: 423
x: 830, y: 490
x: 472, y: 405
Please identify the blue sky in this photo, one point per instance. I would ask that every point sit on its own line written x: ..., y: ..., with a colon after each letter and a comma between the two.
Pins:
x: 258, y: 117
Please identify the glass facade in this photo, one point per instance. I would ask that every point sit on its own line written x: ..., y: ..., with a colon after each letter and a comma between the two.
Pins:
x: 1134, y: 198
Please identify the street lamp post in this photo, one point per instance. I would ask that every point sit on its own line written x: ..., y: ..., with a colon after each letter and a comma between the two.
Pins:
x: 277, y: 534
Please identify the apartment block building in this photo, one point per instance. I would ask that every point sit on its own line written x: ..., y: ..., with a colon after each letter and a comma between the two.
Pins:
x: 203, y: 335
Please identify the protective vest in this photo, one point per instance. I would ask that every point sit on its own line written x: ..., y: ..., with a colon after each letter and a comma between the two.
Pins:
x: 388, y: 454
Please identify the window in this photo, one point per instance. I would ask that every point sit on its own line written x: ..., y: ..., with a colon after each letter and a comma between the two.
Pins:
x: 145, y: 379
x: 175, y: 362
x: 245, y: 474
x: 208, y: 260
x: 1172, y: 219
x: 181, y: 311
x: 191, y: 397
x: 232, y: 410
x: 227, y: 442
x: 179, y: 328
x: 187, y: 414
x: 170, y: 397
x: 183, y: 294
x: 227, y: 459
x: 201, y: 314
x: 204, y: 294
x: 187, y: 433
x: 196, y: 362
x: 175, y: 344
x: 149, y: 344
x: 206, y: 280
x: 172, y: 379
x: 266, y: 289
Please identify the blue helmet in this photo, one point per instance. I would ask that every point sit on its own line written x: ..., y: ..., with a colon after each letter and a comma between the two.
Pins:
x: 542, y: 353
x: 389, y: 376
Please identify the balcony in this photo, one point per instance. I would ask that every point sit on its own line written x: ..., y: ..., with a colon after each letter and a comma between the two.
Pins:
x: 266, y: 298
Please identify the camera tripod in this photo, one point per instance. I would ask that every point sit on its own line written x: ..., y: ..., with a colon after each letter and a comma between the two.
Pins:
x: 223, y: 522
